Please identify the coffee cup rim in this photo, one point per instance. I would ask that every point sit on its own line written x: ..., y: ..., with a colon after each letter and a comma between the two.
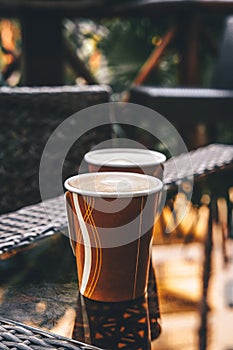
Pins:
x: 156, y: 157
x: 156, y: 185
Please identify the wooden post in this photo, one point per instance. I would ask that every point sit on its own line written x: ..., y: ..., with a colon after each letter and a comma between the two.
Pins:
x: 188, y: 40
x: 42, y: 49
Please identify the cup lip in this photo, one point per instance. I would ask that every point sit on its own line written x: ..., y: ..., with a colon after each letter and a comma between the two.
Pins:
x: 156, y: 157
x: 156, y: 185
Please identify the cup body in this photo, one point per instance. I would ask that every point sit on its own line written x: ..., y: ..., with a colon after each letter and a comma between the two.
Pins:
x: 111, y: 235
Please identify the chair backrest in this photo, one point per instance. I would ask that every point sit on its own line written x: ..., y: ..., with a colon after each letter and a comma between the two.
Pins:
x: 28, y: 116
x: 190, y: 110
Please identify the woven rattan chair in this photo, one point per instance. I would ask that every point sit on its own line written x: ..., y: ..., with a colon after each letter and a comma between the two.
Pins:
x: 27, y: 118
x: 22, y: 227
x: 191, y: 110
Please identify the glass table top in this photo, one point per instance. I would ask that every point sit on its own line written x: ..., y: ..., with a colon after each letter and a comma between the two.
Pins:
x: 39, y: 288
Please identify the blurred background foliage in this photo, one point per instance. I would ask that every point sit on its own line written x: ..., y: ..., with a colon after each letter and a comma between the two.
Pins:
x: 10, y: 48
x: 114, y: 50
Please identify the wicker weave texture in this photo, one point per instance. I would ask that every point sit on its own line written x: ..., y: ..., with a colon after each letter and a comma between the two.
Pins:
x: 22, y: 227
x: 204, y: 160
x: 17, y: 336
x: 28, y: 116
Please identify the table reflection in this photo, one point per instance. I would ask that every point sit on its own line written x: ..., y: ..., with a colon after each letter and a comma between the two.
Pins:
x: 122, y: 325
